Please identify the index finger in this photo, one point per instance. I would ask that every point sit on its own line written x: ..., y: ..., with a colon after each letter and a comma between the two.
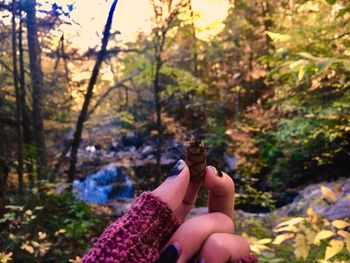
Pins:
x: 221, y: 191
x: 189, y: 199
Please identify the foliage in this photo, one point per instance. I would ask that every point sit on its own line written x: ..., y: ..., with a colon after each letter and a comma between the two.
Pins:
x: 50, y: 226
x: 302, y: 127
x: 299, y: 239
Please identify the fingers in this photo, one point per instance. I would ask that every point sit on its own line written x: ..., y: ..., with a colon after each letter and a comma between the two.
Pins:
x: 189, y: 200
x: 221, y: 191
x: 223, y: 247
x: 172, y: 191
x: 191, y: 235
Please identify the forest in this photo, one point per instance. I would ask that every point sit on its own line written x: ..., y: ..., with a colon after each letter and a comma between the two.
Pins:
x: 90, y: 117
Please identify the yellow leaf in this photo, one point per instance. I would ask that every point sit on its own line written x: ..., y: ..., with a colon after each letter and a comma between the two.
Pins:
x: 293, y: 221
x: 347, y: 242
x: 278, y: 36
x: 340, y: 224
x: 264, y: 241
x: 281, y: 238
x: 328, y: 194
x: 35, y: 244
x: 335, y: 246
x: 346, y: 236
x: 28, y: 213
x: 343, y: 233
x: 289, y: 228
x: 51, y: 192
x: 42, y: 235
x: 4, y: 258
x: 254, y: 249
x: 76, y: 260
x: 60, y: 231
x: 257, y: 248
x: 310, y: 236
x: 325, y: 222
x: 323, y: 234
x: 310, y: 212
x: 301, y: 247
x: 27, y: 248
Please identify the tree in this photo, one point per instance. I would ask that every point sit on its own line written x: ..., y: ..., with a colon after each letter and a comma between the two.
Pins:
x: 89, y: 92
x: 26, y: 121
x: 37, y: 85
x: 18, y: 100
x: 166, y: 18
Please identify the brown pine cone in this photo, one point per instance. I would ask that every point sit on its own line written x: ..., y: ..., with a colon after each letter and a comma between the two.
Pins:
x: 196, y: 160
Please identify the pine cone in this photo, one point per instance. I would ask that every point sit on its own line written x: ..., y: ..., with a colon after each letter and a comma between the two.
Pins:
x: 196, y: 160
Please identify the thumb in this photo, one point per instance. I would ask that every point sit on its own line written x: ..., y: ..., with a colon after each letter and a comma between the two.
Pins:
x: 172, y: 190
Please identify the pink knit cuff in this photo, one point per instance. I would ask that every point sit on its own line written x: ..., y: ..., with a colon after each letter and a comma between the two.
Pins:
x: 248, y: 259
x: 138, y: 235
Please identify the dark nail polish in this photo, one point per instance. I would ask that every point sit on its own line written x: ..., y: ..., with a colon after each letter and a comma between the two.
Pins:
x: 219, y: 173
x: 170, y: 254
x: 193, y: 259
x: 177, y: 168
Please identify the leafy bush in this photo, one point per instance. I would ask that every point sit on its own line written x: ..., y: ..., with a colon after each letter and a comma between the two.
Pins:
x: 48, y: 226
x: 299, y: 239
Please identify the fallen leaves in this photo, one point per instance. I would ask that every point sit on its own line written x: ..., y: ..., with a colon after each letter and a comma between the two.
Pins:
x: 328, y: 194
x: 335, y: 246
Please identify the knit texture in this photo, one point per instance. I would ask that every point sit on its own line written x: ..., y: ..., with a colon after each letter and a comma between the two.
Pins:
x: 249, y: 259
x: 137, y: 236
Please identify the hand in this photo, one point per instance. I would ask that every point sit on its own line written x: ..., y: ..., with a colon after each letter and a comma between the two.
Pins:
x: 207, y: 238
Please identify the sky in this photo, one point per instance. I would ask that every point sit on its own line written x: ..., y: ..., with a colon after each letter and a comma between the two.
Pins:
x: 133, y: 16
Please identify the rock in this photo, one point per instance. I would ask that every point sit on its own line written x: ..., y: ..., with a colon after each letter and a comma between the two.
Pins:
x: 230, y: 161
x: 312, y: 196
x: 90, y: 148
x: 120, y: 208
x: 339, y: 210
x: 132, y: 140
x: 147, y: 150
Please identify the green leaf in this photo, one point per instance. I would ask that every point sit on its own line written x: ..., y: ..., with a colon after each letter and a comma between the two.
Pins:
x: 331, y: 2
x: 343, y: 11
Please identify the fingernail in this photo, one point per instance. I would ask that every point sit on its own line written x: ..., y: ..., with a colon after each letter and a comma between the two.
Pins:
x: 193, y: 259
x: 217, y: 172
x: 177, y: 168
x: 170, y: 254
x: 202, y: 260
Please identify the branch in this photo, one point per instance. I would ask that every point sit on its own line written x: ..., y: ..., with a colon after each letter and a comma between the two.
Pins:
x: 109, y: 90
x: 341, y: 35
x: 114, y: 51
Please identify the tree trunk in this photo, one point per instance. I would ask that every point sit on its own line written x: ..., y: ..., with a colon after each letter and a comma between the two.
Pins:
x: 89, y: 93
x: 3, y: 167
x: 194, y: 39
x: 267, y: 23
x: 158, y: 121
x: 37, y: 86
x: 18, y: 102
x: 26, y: 122
x: 4, y: 171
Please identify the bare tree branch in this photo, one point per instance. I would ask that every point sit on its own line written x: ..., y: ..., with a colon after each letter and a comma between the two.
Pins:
x: 109, y: 90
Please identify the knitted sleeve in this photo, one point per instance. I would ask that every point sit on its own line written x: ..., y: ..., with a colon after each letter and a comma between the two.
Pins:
x: 137, y: 236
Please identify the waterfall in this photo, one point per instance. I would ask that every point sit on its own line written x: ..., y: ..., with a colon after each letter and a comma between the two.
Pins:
x: 107, y: 184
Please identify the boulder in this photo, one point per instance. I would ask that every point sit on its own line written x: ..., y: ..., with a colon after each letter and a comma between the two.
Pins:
x: 311, y: 196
